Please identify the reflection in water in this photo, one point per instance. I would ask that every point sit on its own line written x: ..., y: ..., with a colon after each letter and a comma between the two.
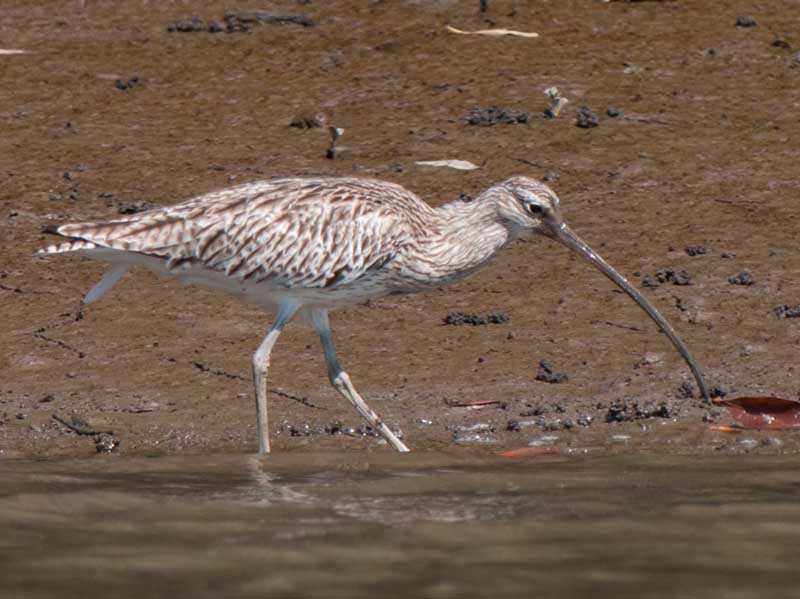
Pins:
x: 400, y: 526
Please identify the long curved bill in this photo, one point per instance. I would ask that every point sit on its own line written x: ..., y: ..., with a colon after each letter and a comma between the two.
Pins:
x: 566, y: 236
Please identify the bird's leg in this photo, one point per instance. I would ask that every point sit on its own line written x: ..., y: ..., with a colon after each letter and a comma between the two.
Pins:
x: 341, y: 382
x: 260, y: 367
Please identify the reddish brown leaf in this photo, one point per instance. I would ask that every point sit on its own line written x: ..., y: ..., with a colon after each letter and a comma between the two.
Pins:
x: 724, y: 428
x: 763, y: 412
x: 528, y: 452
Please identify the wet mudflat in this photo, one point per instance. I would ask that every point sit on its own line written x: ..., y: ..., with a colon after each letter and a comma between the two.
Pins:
x: 687, y: 184
x: 347, y: 524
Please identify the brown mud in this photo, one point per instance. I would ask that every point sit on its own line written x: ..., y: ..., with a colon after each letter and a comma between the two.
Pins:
x: 696, y: 146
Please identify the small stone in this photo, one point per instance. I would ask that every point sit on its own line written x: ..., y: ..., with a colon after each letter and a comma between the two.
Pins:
x: 686, y: 390
x: 309, y: 121
x: 620, y: 438
x: 650, y: 282
x: 105, y: 443
x: 550, y: 177
x: 666, y: 275
x: 486, y: 117
x: 781, y: 43
x: 745, y: 21
x: 537, y: 411
x: 543, y: 441
x: 652, y: 358
x: 187, y: 25
x: 546, y: 374
x: 475, y: 433
x: 474, y: 438
x: 743, y: 278
x: 748, y: 443
x: 717, y: 391
x: 586, y: 119
x: 696, y: 250
x: 135, y: 207
x: 479, y: 427
x: 613, y: 112
x: 462, y: 318
x: 786, y: 311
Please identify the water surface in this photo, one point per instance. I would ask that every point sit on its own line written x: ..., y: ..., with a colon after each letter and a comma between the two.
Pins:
x: 384, y: 525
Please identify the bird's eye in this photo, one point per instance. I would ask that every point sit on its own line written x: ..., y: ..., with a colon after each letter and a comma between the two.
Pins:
x: 535, y: 209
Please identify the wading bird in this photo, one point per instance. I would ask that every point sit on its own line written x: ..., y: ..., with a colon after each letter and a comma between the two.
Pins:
x: 304, y: 245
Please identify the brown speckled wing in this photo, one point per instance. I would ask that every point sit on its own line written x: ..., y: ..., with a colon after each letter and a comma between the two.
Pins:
x: 297, y: 232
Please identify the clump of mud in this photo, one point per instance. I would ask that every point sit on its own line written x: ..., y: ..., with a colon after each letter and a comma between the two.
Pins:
x: 666, y: 275
x: 586, y: 119
x: 486, y: 117
x: 627, y: 411
x: 461, y: 318
x: 786, y: 311
x: 696, y: 250
x: 546, y: 374
x: 237, y: 22
x: 743, y: 278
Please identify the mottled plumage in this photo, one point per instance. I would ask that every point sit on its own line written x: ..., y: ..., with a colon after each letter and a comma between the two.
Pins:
x: 305, y: 244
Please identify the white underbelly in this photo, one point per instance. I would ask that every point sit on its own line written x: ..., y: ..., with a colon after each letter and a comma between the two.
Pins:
x: 268, y: 294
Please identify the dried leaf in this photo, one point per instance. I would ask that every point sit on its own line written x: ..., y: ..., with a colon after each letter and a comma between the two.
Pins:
x: 528, y: 452
x: 462, y: 165
x: 482, y: 403
x: 763, y: 412
x: 494, y: 32
x: 724, y: 428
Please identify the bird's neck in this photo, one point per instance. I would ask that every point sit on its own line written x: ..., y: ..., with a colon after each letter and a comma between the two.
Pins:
x: 467, y: 237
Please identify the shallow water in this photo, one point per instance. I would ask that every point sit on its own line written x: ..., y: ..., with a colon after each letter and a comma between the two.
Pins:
x: 384, y: 525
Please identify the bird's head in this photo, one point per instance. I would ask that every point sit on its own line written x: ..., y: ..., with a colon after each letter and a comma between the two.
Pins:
x: 528, y: 208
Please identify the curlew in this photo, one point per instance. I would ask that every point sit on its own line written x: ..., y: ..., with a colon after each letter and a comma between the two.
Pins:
x: 301, y: 246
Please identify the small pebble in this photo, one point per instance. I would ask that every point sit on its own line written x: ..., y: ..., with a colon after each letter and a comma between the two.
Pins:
x: 743, y: 278
x: 546, y: 374
x: 586, y: 119
x: 479, y: 427
x: 543, y: 441
x: 105, y: 443
x: 745, y: 21
x: 696, y: 250
x: 786, y: 311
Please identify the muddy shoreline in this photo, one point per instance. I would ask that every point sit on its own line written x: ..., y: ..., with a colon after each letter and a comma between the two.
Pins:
x: 684, y: 180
